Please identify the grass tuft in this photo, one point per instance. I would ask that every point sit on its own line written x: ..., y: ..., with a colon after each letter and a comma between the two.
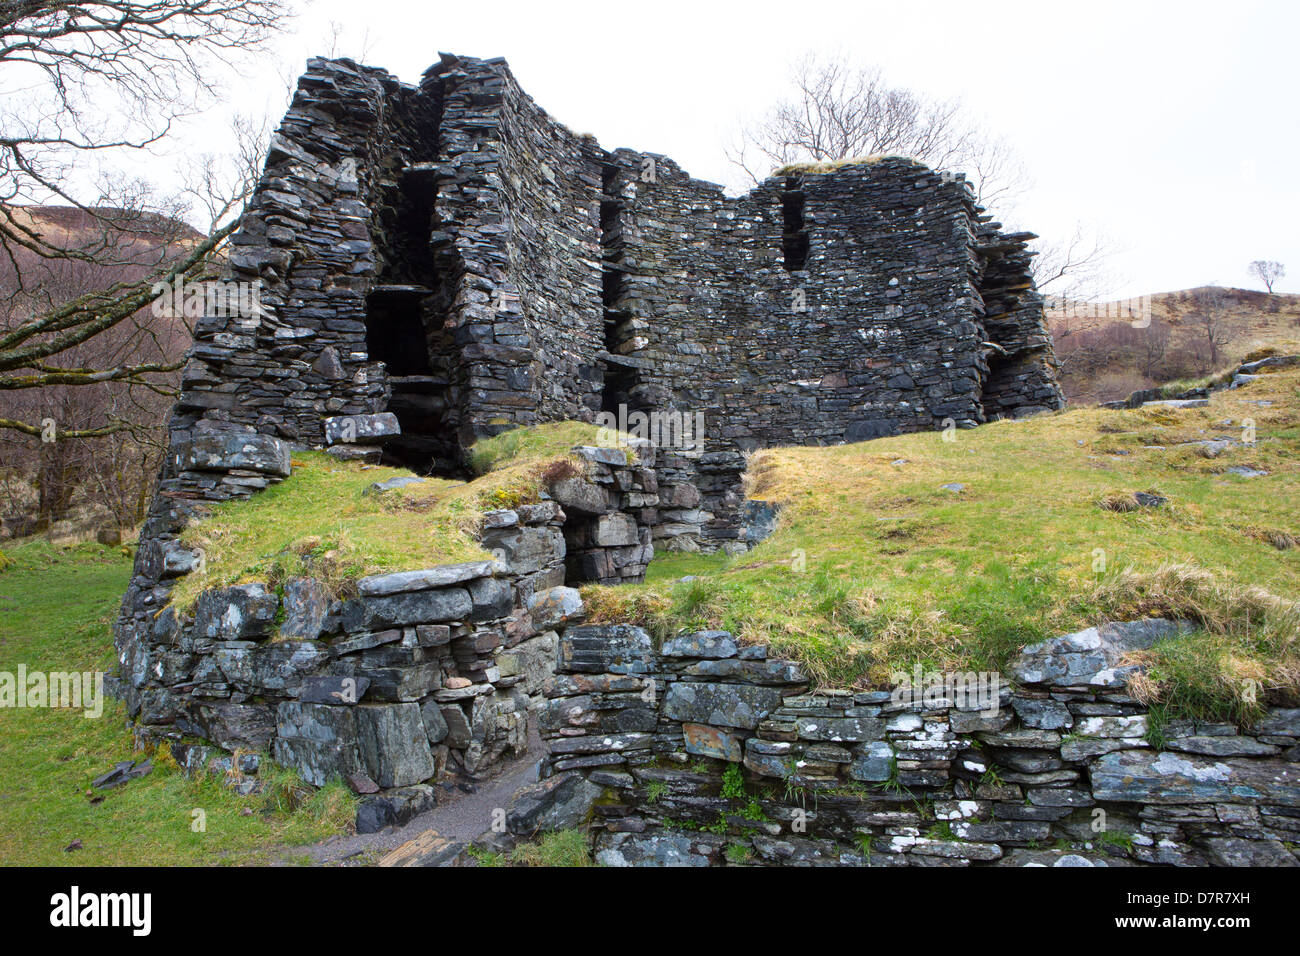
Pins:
x: 559, y: 848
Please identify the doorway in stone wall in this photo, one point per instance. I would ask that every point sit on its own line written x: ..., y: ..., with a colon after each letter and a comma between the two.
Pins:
x: 405, y: 329
x: 401, y: 322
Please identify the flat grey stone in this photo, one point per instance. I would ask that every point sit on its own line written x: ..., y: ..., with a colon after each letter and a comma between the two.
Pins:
x: 555, y: 606
x: 703, y: 644
x: 316, y: 740
x: 561, y: 802
x: 218, y: 449
x: 361, y: 429
x: 705, y: 741
x: 392, y: 484
x: 425, y: 579
x: 1090, y: 657
x: 236, y: 612
x: 329, y: 689
x: 1220, y: 746
x: 722, y: 705
x: 393, y: 744
x: 1144, y: 776
x: 1178, y: 403
x: 306, y: 604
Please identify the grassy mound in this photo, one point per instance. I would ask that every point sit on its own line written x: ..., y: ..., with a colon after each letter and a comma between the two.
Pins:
x: 875, y: 566
x: 320, y: 522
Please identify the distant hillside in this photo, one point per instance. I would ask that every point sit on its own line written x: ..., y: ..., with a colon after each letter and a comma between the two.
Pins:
x: 1104, y: 356
x: 70, y: 225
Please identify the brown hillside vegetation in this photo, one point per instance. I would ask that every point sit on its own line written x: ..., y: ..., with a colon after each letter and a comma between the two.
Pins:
x: 1192, y: 333
x: 75, y: 483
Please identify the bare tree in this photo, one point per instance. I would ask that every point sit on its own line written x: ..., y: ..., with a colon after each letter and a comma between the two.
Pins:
x: 102, y: 78
x: 1267, y: 272
x: 103, y: 428
x: 1211, y: 316
x: 841, y: 111
x: 1152, y: 346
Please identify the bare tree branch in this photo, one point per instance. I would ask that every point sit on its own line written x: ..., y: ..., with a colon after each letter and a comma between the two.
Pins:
x: 841, y: 111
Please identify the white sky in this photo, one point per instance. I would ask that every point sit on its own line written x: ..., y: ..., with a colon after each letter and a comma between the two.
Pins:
x: 1170, y: 127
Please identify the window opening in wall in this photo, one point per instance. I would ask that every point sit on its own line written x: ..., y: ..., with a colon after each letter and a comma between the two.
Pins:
x: 794, y: 231
x: 620, y: 378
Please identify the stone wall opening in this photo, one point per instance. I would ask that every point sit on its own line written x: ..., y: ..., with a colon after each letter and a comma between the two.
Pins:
x: 395, y: 331
x: 994, y: 381
x: 794, y: 230
x: 405, y: 319
x: 402, y: 322
x: 620, y: 326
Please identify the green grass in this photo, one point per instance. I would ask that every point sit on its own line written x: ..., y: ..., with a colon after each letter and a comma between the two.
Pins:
x: 56, y: 606
x: 897, y: 571
x: 320, y: 523
x: 530, y: 444
x: 669, y: 566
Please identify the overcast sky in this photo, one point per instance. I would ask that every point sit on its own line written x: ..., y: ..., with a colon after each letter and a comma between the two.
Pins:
x: 1171, y: 127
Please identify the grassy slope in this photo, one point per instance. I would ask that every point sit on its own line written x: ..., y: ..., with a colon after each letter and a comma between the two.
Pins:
x: 56, y: 607
x: 898, y: 570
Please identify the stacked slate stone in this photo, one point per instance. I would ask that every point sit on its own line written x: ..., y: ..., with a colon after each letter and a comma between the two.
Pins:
x: 640, y: 741
x: 1022, y: 364
x: 518, y: 233
x: 611, y: 509
x: 307, y: 238
x: 818, y: 309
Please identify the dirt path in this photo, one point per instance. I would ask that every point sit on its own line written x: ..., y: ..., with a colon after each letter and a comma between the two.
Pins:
x: 459, y: 816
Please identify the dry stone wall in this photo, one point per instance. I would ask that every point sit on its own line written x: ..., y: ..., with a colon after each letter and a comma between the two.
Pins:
x: 820, y: 308
x: 418, y: 677
x: 707, y: 752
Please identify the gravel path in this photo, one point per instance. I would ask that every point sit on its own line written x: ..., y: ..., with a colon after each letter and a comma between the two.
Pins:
x: 458, y: 816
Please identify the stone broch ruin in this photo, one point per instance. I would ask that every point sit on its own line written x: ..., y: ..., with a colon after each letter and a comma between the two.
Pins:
x: 451, y: 255
x: 444, y: 261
